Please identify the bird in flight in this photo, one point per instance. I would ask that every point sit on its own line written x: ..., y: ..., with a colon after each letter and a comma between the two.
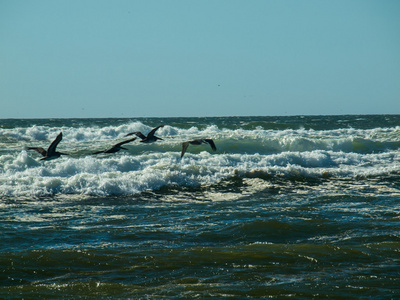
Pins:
x: 116, y: 147
x: 51, y: 152
x: 185, y: 145
x: 150, y: 136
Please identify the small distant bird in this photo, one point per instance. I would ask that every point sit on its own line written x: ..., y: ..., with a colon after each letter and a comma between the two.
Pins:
x: 116, y: 147
x: 150, y: 136
x: 185, y: 145
x: 51, y: 152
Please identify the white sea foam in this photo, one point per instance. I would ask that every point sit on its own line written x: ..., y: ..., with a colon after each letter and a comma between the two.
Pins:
x: 339, y: 153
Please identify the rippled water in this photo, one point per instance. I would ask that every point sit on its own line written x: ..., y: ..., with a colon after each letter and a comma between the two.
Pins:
x: 301, y: 208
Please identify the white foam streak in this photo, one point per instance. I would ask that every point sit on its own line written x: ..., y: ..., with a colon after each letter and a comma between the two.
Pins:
x: 342, y: 153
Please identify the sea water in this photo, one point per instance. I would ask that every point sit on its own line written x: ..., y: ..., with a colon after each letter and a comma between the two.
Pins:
x: 299, y: 207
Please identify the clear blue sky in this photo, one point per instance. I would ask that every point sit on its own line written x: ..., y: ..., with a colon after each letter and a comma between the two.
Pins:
x: 128, y: 58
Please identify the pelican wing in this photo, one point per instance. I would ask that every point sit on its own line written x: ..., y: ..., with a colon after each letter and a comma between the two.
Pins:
x: 52, y: 148
x: 153, y: 131
x: 137, y: 133
x: 185, y: 145
x: 124, y: 142
x: 211, y: 142
x: 39, y: 150
x: 116, y: 147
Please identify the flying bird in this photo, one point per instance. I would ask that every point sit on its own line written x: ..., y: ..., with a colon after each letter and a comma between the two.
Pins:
x: 185, y: 145
x: 150, y: 136
x: 116, y: 147
x: 51, y: 152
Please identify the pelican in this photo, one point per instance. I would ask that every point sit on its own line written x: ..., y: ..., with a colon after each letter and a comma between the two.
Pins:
x: 150, y: 136
x: 116, y: 147
x: 185, y: 145
x: 51, y: 152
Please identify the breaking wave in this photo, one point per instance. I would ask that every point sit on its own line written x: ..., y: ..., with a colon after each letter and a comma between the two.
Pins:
x: 242, y: 152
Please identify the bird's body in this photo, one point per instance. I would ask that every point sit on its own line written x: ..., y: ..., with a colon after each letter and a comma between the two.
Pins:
x: 51, y: 152
x: 116, y: 147
x: 150, y: 136
x: 185, y: 145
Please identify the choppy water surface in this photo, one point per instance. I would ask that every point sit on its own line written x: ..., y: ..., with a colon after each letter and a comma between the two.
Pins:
x: 287, y: 207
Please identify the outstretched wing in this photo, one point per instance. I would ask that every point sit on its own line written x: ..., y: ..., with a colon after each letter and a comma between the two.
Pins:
x: 211, y: 142
x: 185, y: 145
x: 53, y: 145
x: 39, y: 150
x: 124, y: 142
x: 153, y: 131
x: 137, y: 133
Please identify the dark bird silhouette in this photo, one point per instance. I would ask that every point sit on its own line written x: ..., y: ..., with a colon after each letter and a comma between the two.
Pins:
x: 150, y: 136
x: 116, y: 147
x: 51, y: 152
x: 185, y: 145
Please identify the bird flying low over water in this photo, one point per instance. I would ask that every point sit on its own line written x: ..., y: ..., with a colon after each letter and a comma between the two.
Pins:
x: 116, y: 147
x: 185, y: 145
x: 51, y: 152
x: 150, y: 136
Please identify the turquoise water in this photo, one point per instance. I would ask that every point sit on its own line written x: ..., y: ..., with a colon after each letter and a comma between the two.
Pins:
x: 300, y: 207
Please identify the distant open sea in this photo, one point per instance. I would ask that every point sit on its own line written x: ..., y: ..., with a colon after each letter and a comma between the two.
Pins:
x: 303, y: 207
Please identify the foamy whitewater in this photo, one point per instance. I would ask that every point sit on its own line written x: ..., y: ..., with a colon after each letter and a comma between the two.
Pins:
x: 244, y: 149
x: 302, y: 207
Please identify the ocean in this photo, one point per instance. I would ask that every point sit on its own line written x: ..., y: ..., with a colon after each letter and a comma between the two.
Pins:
x: 299, y: 207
